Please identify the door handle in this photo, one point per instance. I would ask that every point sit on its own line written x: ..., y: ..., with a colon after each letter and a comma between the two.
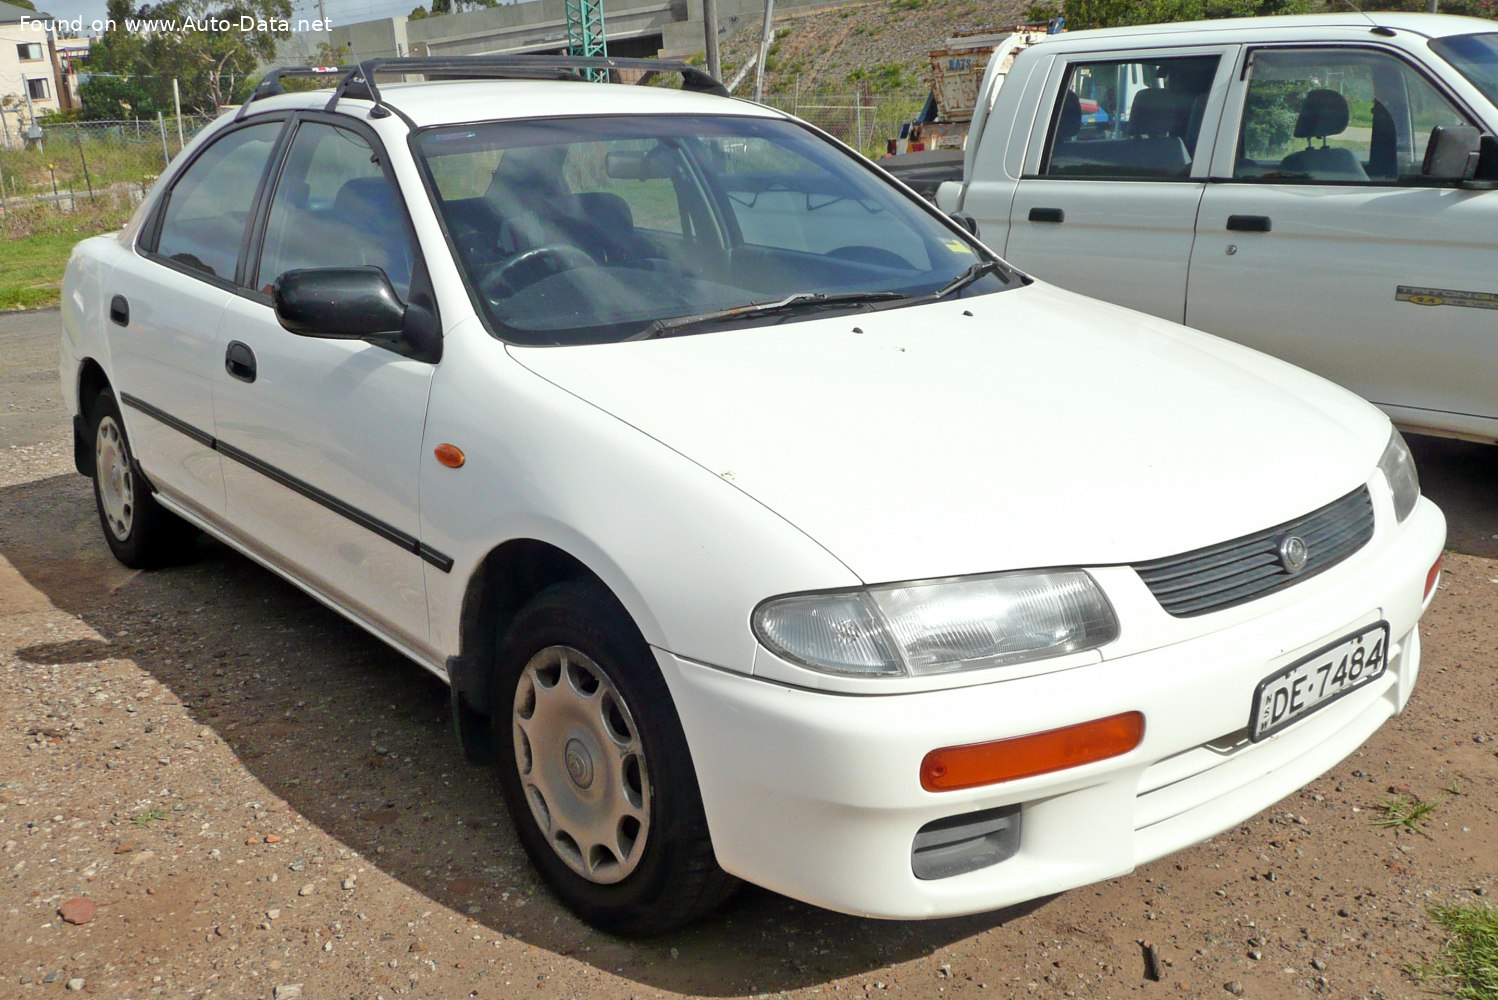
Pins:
x: 1047, y: 215
x: 1249, y: 223
x: 239, y: 361
x: 119, y: 311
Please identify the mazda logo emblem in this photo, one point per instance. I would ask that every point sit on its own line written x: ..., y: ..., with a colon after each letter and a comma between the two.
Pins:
x: 1293, y: 553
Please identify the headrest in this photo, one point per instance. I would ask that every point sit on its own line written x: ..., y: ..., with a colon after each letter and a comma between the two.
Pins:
x: 606, y: 210
x: 1324, y: 113
x: 1159, y: 113
x: 527, y: 172
x: 363, y: 197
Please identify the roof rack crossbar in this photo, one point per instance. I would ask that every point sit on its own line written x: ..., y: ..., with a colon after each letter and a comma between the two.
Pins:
x: 359, y: 81
x: 532, y: 66
x: 270, y: 84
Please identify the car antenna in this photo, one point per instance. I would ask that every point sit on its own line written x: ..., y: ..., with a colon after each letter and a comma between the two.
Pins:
x: 1378, y: 29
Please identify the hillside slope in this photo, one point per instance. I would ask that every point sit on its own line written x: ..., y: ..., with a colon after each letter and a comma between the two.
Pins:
x: 885, y: 43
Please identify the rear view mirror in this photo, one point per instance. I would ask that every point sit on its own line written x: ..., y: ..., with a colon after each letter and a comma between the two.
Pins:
x: 633, y: 165
x: 1452, y: 153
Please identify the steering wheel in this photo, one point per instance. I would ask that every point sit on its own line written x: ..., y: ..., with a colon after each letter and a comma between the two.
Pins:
x: 531, y: 266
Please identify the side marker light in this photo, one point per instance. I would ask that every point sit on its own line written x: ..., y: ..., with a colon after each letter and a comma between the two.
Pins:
x: 450, y: 455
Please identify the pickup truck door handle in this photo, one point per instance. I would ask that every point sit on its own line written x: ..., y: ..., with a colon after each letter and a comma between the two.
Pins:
x: 119, y: 311
x: 239, y: 361
x: 1047, y: 215
x: 1249, y: 223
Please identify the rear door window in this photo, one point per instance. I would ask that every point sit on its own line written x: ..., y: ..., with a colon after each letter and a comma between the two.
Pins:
x: 1130, y: 119
x: 209, y: 206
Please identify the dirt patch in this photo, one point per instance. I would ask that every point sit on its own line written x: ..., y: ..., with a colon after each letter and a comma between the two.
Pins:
x: 253, y: 795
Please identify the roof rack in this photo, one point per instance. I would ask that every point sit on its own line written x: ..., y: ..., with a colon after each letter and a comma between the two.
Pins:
x: 270, y: 84
x: 359, y: 81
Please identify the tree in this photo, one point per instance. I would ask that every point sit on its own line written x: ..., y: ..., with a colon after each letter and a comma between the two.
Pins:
x: 440, y: 7
x: 210, y: 47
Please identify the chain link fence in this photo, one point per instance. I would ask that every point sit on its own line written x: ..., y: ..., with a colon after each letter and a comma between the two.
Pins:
x: 72, y: 161
x: 864, y: 120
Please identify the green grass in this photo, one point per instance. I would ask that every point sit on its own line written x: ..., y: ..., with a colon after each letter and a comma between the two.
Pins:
x: 145, y: 819
x: 35, y: 242
x: 76, y: 165
x: 1406, y: 811
x: 1468, y: 966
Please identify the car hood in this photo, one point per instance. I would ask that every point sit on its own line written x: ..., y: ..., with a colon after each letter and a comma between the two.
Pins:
x: 1022, y: 429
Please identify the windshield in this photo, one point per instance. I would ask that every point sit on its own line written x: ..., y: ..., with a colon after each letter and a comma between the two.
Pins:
x: 1475, y: 57
x: 592, y: 230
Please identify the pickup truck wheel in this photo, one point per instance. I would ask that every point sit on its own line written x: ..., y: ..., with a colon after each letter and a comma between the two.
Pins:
x: 594, y: 767
x: 140, y: 532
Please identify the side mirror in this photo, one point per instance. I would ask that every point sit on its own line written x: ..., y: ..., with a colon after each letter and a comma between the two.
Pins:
x: 339, y: 303
x: 1453, y: 153
x: 965, y: 221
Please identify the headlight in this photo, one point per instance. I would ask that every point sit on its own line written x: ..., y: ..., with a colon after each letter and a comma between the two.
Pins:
x: 939, y: 626
x: 1398, y: 467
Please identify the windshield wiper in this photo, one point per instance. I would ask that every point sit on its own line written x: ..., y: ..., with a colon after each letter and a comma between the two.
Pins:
x: 972, y: 274
x: 797, y: 302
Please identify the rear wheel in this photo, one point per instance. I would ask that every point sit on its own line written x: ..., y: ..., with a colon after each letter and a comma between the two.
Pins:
x: 594, y: 767
x: 140, y: 532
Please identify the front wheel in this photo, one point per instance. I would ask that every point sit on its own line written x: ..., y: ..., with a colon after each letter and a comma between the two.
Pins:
x: 594, y: 767
x: 141, y: 533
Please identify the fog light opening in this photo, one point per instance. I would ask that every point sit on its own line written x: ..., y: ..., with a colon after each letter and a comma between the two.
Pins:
x: 952, y: 768
x: 961, y: 844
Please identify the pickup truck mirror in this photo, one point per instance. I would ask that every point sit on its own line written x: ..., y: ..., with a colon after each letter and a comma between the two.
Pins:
x: 1453, y: 153
x: 965, y: 221
x: 339, y: 303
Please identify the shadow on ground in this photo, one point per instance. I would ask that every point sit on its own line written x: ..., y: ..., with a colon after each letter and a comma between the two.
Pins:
x: 356, y: 739
x: 1462, y: 477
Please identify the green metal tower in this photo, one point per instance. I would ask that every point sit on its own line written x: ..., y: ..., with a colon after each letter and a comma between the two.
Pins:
x: 585, y: 31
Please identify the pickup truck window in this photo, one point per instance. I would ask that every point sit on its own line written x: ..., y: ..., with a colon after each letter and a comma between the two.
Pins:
x: 1129, y: 119
x: 1475, y: 57
x: 1336, y: 115
x: 210, y: 203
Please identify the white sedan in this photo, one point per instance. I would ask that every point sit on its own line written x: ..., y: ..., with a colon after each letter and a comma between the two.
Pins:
x: 765, y: 525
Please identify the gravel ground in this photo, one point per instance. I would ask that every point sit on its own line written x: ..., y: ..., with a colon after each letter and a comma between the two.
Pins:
x: 256, y: 800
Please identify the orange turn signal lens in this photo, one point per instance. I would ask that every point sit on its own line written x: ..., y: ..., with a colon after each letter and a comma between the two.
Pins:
x: 952, y: 768
x: 1434, y: 576
x: 450, y: 455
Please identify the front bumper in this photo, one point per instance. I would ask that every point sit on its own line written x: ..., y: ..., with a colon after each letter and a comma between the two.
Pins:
x: 817, y: 796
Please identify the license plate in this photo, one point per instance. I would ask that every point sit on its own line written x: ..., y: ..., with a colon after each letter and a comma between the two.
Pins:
x: 1290, y: 694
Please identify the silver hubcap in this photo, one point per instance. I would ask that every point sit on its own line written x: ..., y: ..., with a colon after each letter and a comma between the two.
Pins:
x: 116, y: 480
x: 581, y: 764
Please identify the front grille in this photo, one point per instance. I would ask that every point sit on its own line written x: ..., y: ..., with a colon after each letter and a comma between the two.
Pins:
x: 1221, y: 576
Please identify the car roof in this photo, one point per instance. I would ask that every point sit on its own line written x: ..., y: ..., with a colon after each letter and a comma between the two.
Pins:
x: 453, y: 102
x: 1296, y: 27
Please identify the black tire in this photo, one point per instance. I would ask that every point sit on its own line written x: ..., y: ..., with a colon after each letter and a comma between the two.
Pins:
x: 587, y: 739
x: 140, y: 532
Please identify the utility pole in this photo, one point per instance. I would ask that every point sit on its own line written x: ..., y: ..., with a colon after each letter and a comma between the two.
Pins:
x: 764, y: 51
x: 710, y: 32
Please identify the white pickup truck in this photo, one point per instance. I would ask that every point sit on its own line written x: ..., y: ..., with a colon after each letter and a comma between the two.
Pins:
x: 1319, y: 188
